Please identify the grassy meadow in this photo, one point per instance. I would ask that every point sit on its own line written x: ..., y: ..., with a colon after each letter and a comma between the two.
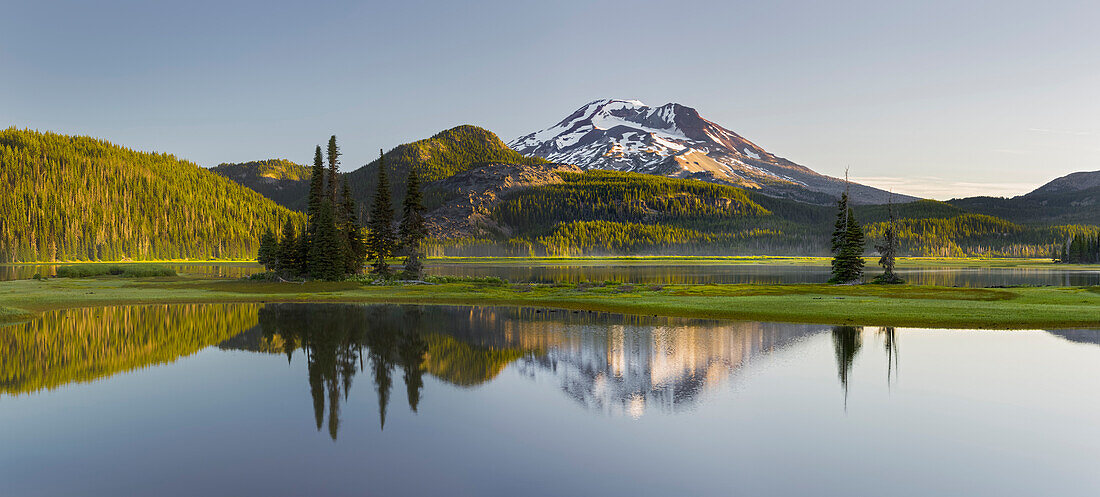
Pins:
x: 872, y: 305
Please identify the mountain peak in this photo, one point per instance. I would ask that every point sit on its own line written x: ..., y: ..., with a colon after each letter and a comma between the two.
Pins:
x: 675, y: 140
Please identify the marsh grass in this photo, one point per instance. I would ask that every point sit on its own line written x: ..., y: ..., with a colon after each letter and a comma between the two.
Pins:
x: 121, y: 270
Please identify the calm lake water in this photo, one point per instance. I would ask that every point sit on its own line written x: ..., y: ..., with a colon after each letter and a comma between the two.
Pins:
x: 764, y: 274
x: 666, y: 273
x: 327, y: 399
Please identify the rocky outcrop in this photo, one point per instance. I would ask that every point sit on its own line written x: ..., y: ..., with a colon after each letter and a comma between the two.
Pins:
x: 470, y: 196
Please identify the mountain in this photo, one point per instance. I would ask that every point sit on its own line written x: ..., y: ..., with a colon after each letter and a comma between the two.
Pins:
x: 674, y: 140
x: 78, y: 198
x: 1070, y: 199
x: 280, y: 180
x: 1068, y: 184
x: 445, y: 154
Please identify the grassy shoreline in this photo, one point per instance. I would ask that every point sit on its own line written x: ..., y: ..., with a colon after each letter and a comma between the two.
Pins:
x: 870, y: 305
x: 766, y: 260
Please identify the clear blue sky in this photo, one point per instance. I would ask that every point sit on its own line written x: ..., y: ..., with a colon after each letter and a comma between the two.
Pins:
x: 937, y: 98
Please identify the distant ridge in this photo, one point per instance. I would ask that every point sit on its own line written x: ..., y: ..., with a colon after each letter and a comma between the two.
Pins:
x: 280, y: 180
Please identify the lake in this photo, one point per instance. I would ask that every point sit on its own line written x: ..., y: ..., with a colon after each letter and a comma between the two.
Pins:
x: 671, y: 273
x: 666, y: 273
x: 334, y: 399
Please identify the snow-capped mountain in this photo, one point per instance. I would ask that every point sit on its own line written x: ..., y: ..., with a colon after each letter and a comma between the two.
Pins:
x: 673, y: 140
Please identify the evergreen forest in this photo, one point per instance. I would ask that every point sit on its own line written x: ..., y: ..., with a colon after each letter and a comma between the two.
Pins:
x: 81, y: 199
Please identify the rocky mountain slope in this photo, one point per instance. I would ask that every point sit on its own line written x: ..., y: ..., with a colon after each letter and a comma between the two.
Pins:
x: 674, y: 140
x: 467, y: 199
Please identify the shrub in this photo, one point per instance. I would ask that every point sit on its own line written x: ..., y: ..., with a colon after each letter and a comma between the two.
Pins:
x: 123, y: 270
x: 487, y: 280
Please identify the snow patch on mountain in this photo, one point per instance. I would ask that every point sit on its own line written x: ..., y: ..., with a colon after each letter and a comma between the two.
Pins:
x: 674, y: 140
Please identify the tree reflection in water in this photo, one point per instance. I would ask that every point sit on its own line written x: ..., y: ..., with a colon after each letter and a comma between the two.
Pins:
x: 846, y: 343
x: 616, y: 364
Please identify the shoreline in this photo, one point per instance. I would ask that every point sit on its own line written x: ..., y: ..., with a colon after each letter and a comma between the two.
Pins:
x: 859, y: 305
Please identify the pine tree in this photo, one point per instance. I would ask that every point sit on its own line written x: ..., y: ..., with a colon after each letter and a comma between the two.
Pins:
x: 380, y: 238
x: 847, y: 244
x: 289, y: 259
x: 411, y: 232
x: 888, y: 251
x: 355, y: 248
x: 836, y: 242
x: 333, y: 168
x: 316, y: 185
x: 268, y: 254
x: 326, y: 260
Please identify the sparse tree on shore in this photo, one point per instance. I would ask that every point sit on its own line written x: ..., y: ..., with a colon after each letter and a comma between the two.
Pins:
x: 888, y: 251
x: 847, y: 244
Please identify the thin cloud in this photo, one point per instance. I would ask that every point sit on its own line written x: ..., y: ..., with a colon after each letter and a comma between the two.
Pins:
x: 943, y: 189
x: 1063, y: 131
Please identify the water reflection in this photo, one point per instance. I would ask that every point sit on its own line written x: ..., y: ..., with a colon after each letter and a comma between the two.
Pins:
x: 670, y: 274
x: 81, y: 345
x: 502, y: 401
x: 609, y: 363
x: 628, y: 365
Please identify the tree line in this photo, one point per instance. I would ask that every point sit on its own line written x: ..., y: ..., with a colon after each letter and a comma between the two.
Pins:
x: 333, y: 243
x: 1079, y: 249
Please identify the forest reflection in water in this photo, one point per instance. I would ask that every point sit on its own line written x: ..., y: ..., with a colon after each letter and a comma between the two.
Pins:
x: 467, y: 394
x: 608, y: 363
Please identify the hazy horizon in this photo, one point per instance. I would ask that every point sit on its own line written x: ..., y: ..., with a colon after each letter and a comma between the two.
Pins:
x: 941, y: 99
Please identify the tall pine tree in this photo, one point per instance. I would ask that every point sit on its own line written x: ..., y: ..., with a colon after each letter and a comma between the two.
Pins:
x: 380, y: 238
x: 316, y: 195
x: 411, y: 233
x: 268, y: 254
x: 333, y: 168
x: 290, y: 261
x: 355, y: 248
x: 846, y: 244
x: 326, y: 261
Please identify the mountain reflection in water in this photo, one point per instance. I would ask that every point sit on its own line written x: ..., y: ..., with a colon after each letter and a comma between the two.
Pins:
x: 611, y: 363
x: 608, y: 363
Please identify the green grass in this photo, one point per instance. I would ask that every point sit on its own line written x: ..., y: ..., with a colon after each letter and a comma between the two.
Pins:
x: 872, y: 305
x: 120, y: 270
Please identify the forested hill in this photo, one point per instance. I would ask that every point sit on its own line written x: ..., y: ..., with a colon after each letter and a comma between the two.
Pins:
x: 79, y: 198
x: 612, y: 213
x: 283, y: 181
x: 447, y: 153
x: 1040, y: 207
